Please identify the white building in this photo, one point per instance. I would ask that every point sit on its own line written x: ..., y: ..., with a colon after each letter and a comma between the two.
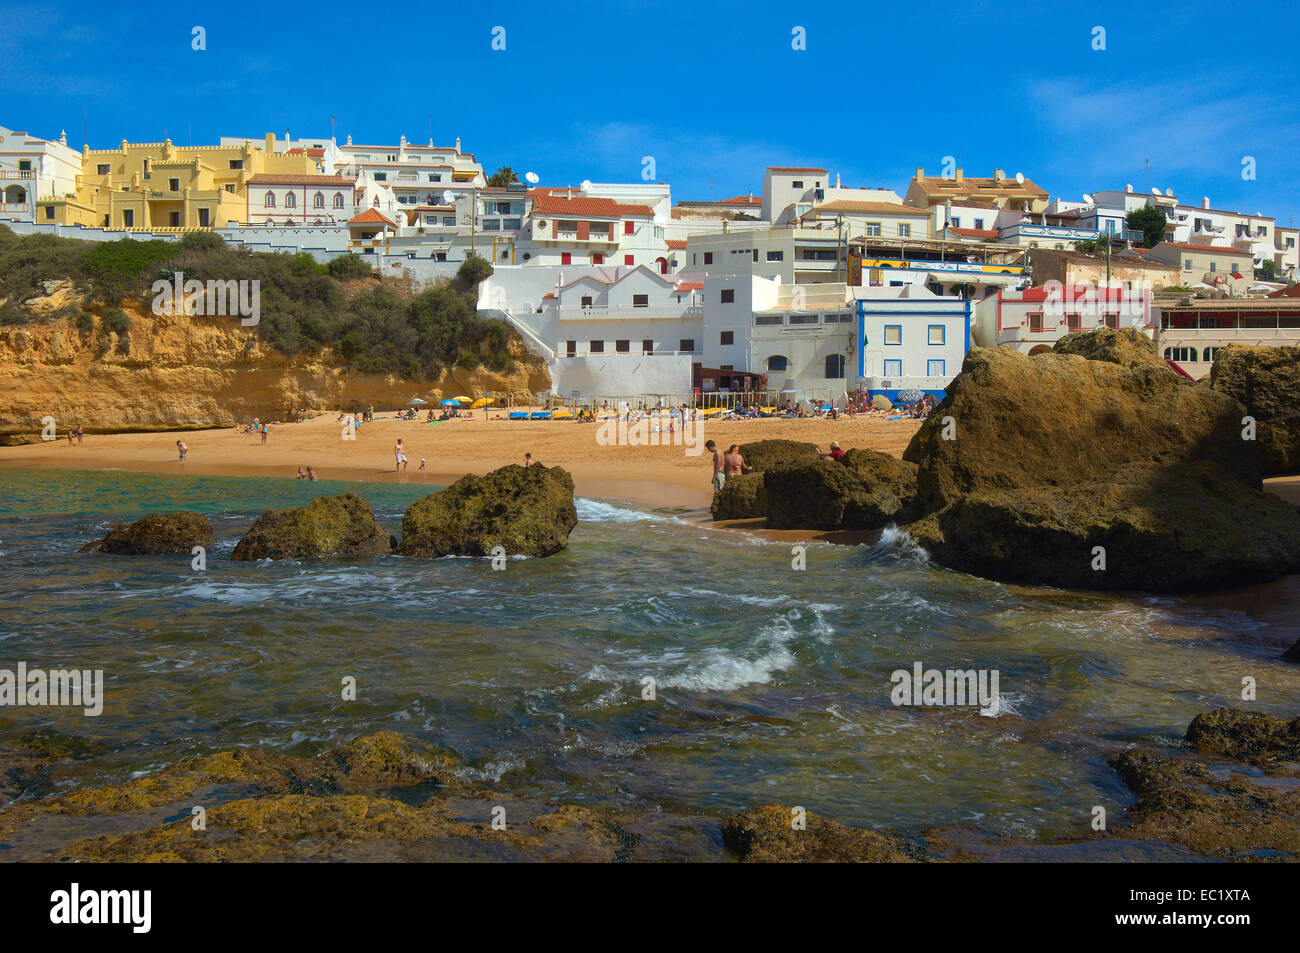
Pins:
x: 283, y: 199
x: 909, y: 339
x: 1032, y: 320
x: 32, y: 169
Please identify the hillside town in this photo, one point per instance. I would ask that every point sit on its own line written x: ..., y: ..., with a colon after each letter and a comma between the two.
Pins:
x: 806, y: 286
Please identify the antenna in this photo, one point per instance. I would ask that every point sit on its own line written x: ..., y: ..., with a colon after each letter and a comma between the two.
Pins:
x: 532, y: 178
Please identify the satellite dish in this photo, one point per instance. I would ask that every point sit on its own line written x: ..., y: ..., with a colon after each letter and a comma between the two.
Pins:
x: 1155, y: 191
x: 1020, y: 177
x: 586, y: 185
x: 1087, y: 198
x: 531, y: 178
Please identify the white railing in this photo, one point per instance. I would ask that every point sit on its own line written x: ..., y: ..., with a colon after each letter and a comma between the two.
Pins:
x: 627, y: 311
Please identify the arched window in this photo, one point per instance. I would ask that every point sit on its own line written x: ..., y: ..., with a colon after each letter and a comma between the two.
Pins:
x: 338, y: 199
x: 1183, y: 355
x: 270, y: 200
x: 318, y: 200
x: 1210, y: 353
x: 777, y: 363
x: 290, y: 200
x: 834, y: 366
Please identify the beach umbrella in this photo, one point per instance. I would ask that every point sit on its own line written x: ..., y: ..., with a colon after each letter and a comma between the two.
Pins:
x: 909, y: 396
x: 462, y: 400
x: 482, y: 402
x: 449, y: 402
x: 417, y: 400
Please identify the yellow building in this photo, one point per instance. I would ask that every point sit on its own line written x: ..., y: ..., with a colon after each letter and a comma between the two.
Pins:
x: 1002, y: 192
x: 162, y: 186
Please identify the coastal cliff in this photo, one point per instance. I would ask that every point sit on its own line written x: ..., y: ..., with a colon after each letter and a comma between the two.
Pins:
x: 189, y: 372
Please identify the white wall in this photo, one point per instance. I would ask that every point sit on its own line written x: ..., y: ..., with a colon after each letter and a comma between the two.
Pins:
x: 622, y: 374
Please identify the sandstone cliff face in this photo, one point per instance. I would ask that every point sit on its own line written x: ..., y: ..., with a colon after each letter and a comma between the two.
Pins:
x: 184, y: 373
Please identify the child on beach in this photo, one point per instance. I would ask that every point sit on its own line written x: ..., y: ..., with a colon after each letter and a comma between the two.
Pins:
x: 421, y: 466
x: 182, y: 449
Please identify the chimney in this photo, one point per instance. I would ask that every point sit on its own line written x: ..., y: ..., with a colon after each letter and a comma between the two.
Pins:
x: 959, y: 176
x: 999, y: 175
x: 288, y: 141
x: 458, y: 145
x: 63, y: 137
x: 270, y: 143
x: 837, y: 180
x: 920, y: 172
x: 1205, y: 202
x: 1128, y: 188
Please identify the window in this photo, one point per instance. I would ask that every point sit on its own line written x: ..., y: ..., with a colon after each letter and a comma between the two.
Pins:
x: 622, y: 347
x: 728, y: 296
x: 708, y: 257
x: 935, y: 368
x: 687, y: 345
x: 570, y: 348
x: 1112, y: 319
x: 979, y: 223
x: 290, y: 200
x: 381, y: 176
x: 597, y: 347
x: 1210, y: 353
x: 49, y: 211
x: 956, y: 221
x: 318, y: 200
x: 338, y: 199
x: 893, y: 334
x: 726, y: 338
x: 904, y: 231
x: 834, y: 366
x: 236, y: 163
x: 796, y: 318
x: 873, y: 229
x: 629, y: 228
x: 1184, y: 355
x: 647, y: 346
x: 937, y: 334
x: 640, y: 301
x: 762, y: 319
x: 629, y: 259
x: 269, y: 201
x: 204, y: 219
x: 777, y: 363
x: 1036, y: 321
x: 101, y: 169
x: 173, y: 185
x: 1074, y: 321
x: 128, y: 217
x: 586, y: 301
x: 775, y: 256
x: 597, y: 258
x: 796, y: 184
x: 1187, y: 264
x: 566, y: 258
x: 230, y: 189
x: 1214, y: 266
x: 175, y: 220
x: 893, y: 369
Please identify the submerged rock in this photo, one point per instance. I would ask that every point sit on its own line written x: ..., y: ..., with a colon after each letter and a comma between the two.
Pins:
x: 526, y: 510
x: 1057, y: 455
x: 769, y: 834
x: 328, y: 526
x: 1267, y: 381
x: 158, y: 534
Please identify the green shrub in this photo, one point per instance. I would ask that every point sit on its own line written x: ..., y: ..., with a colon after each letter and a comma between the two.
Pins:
x: 347, y: 267
x: 117, y: 321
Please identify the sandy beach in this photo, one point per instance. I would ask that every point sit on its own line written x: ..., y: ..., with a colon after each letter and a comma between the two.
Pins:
x: 657, y: 476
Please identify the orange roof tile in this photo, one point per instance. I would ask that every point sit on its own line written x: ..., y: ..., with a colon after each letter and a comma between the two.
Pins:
x: 547, y: 200
x: 371, y: 216
x: 675, y: 242
x: 1217, y: 249
x: 275, y: 178
x: 792, y: 168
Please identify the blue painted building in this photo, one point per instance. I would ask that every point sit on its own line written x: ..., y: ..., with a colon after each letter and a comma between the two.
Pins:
x: 910, y: 339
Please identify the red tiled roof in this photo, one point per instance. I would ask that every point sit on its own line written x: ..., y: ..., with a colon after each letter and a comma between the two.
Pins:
x: 1291, y: 292
x: 548, y: 200
x: 792, y: 168
x: 675, y: 242
x: 274, y: 178
x: 1217, y: 249
x: 976, y: 232
x: 690, y: 286
x: 743, y: 200
x: 371, y: 216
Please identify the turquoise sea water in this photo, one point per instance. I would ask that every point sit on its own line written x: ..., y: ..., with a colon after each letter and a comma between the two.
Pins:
x: 772, y: 684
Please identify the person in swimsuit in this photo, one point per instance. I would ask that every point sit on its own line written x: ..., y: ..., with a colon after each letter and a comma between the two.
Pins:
x: 265, y: 433
x: 719, y: 474
x: 80, y: 434
x: 182, y: 449
x: 302, y: 475
x: 400, y: 453
x: 311, y: 474
x: 734, y: 463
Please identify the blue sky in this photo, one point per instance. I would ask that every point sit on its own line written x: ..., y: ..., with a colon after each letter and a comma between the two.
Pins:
x: 714, y: 92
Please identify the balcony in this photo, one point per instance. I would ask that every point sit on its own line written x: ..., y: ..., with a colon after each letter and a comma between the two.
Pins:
x: 566, y: 235
x: 15, y: 208
x: 16, y: 174
x: 626, y: 312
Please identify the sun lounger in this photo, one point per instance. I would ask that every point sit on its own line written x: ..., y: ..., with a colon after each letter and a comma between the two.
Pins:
x: 540, y: 415
x: 518, y: 415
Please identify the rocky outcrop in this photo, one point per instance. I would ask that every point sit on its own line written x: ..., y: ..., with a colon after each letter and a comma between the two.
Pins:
x: 1250, y: 736
x: 191, y: 372
x: 1095, y: 474
x: 1127, y: 347
x: 741, y: 497
x: 1267, y: 382
x: 773, y: 454
x: 527, y: 511
x: 328, y: 526
x: 863, y: 491
x: 782, y: 835
x: 158, y: 534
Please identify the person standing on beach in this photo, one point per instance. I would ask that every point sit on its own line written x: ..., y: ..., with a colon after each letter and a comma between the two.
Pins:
x: 80, y: 434
x: 719, y: 463
x: 69, y: 438
x: 182, y: 449
x: 400, y: 453
x: 311, y: 474
x: 265, y: 433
